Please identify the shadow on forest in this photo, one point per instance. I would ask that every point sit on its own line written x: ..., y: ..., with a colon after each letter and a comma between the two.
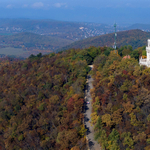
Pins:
x: 86, y: 107
x: 86, y: 119
x: 90, y: 144
x: 88, y: 76
x: 88, y: 88
x: 88, y: 130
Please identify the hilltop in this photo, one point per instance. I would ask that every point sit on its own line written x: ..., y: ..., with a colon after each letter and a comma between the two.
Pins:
x: 135, y: 38
x: 144, y: 27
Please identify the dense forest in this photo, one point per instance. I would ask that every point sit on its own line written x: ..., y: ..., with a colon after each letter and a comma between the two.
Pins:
x: 42, y: 100
x: 121, y: 103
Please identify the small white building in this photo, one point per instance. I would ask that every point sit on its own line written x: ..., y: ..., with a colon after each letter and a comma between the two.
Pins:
x: 146, y: 61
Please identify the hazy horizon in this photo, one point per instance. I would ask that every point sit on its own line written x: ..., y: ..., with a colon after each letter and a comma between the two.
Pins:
x: 124, y: 12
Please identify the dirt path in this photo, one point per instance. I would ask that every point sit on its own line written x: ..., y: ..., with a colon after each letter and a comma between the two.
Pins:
x: 93, y: 145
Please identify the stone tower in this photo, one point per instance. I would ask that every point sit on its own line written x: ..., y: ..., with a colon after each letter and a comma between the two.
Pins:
x: 148, y: 50
x: 146, y: 61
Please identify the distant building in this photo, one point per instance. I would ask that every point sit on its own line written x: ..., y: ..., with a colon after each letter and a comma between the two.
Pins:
x: 81, y: 28
x: 146, y: 61
x: 127, y: 56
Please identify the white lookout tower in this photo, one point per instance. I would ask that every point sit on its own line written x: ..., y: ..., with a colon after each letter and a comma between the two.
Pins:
x: 146, y: 61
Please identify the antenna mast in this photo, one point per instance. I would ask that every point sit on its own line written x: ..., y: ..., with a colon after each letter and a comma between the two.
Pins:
x: 115, y: 25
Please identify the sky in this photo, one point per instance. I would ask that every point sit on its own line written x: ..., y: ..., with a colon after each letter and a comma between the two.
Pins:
x: 98, y: 11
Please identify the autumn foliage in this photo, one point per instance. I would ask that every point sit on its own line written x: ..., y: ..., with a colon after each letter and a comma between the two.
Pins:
x: 41, y: 101
x: 121, y: 100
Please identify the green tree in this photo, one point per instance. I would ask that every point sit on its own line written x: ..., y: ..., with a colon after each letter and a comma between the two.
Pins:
x: 127, y: 139
x: 126, y: 52
x: 98, y: 129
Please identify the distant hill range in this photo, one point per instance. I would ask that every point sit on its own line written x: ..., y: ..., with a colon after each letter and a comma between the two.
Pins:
x: 30, y: 41
x: 135, y: 38
x: 34, y: 36
x: 63, y: 29
x: 67, y: 30
x: 144, y: 27
x: 24, y: 44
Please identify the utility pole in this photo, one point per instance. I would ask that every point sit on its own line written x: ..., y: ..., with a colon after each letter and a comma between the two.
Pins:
x: 115, y: 25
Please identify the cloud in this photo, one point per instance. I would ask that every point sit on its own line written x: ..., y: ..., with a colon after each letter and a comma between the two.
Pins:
x: 38, y: 5
x: 58, y: 5
x: 9, y: 6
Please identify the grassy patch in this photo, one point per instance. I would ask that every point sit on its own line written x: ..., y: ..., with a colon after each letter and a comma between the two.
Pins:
x: 11, y: 51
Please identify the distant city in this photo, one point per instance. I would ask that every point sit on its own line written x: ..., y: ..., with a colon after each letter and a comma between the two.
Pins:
x: 67, y: 30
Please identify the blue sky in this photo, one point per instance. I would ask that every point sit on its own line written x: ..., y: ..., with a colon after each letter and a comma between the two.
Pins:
x: 74, y: 3
x: 100, y: 11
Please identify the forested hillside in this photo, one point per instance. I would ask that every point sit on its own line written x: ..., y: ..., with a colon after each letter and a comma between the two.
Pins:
x: 121, y: 103
x: 135, y: 38
x: 41, y: 101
